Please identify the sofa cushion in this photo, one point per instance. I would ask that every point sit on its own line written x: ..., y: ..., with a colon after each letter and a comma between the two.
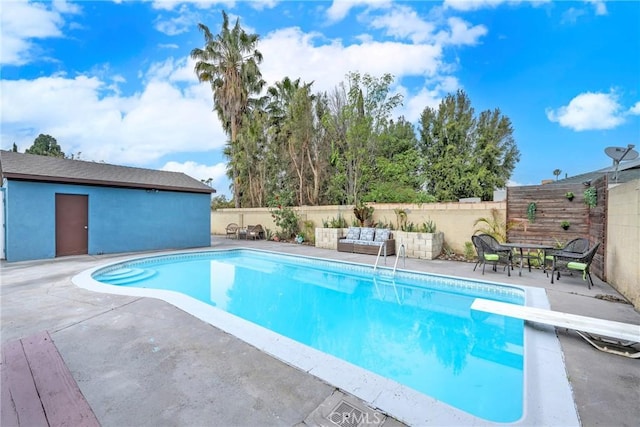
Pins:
x: 367, y: 234
x: 382, y: 234
x: 368, y: 243
x: 353, y: 233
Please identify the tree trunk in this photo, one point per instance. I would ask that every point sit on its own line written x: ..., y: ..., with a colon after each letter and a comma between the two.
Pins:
x: 234, y: 148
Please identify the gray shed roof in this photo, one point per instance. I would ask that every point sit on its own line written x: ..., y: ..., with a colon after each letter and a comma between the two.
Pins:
x: 31, y: 167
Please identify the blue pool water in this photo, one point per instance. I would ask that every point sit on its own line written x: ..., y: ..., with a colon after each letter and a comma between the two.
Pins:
x: 413, y: 328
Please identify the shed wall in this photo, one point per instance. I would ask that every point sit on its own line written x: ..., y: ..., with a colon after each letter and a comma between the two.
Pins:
x: 120, y: 220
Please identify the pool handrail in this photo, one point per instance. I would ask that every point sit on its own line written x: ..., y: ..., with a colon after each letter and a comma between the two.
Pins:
x: 402, y: 250
x: 375, y: 266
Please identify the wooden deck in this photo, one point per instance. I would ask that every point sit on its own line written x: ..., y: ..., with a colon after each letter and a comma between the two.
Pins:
x: 37, y: 387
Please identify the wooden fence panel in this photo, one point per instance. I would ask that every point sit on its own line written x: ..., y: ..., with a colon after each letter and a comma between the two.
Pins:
x: 553, y: 207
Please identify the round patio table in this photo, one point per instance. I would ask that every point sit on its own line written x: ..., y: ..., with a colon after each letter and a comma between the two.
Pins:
x: 521, y: 246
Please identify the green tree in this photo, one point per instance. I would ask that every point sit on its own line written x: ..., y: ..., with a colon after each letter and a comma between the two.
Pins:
x: 465, y: 156
x: 220, y: 202
x: 359, y: 112
x: 253, y: 167
x: 289, y: 125
x: 557, y: 173
x: 45, y: 145
x: 229, y: 63
x: 397, y: 167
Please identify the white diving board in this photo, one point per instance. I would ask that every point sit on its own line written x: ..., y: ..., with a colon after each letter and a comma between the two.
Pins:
x: 626, y: 333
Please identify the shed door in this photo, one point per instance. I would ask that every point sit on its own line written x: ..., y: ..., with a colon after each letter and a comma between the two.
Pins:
x: 72, y: 229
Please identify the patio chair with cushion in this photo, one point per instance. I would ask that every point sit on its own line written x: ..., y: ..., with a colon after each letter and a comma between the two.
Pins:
x: 232, y: 230
x: 490, y: 251
x: 573, y: 247
x: 255, y: 232
x: 571, y: 261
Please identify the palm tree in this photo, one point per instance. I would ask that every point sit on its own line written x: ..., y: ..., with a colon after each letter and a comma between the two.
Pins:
x: 229, y: 62
x: 557, y: 173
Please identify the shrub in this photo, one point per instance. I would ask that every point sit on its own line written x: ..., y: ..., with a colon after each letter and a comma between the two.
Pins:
x: 338, y: 222
x: 469, y: 251
x: 308, y: 232
x: 428, y: 226
x: 285, y: 218
x: 494, y: 226
x: 363, y: 213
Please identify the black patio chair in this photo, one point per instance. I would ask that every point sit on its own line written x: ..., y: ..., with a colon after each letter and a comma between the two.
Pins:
x: 490, y: 251
x: 574, y: 262
x: 572, y: 248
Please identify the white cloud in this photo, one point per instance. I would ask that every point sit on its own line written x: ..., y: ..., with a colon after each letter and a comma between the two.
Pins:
x: 181, y: 23
x: 339, y: 9
x: 201, y: 172
x: 429, y: 95
x: 469, y: 5
x: 404, y: 23
x: 599, y: 6
x: 22, y: 22
x: 200, y: 4
x: 462, y: 33
x: 635, y: 110
x: 328, y: 63
x: 64, y: 6
x: 589, y: 111
x: 264, y: 4
x: 85, y: 116
x: 571, y: 15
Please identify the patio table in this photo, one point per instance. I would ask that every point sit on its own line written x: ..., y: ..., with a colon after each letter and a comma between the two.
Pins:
x: 521, y: 246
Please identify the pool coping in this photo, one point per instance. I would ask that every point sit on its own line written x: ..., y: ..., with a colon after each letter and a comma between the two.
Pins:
x: 548, y: 399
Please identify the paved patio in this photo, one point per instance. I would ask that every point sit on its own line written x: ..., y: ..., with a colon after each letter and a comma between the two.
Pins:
x: 141, y: 361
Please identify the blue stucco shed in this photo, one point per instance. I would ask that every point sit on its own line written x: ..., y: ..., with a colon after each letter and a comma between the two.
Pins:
x: 56, y: 207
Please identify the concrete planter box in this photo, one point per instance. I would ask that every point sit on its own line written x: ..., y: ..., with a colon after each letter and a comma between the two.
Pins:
x: 420, y: 245
x: 327, y: 238
x: 417, y: 245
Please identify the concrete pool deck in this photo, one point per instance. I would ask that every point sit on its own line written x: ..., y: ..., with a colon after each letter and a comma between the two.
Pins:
x: 141, y: 361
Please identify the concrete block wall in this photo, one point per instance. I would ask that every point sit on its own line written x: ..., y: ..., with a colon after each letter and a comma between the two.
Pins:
x: 455, y: 220
x: 420, y: 245
x: 327, y: 238
x: 623, y: 238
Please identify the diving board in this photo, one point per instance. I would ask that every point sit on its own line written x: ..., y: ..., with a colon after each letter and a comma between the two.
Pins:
x: 625, y: 334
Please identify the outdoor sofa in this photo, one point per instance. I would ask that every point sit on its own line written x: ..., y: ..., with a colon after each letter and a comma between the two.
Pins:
x: 367, y: 240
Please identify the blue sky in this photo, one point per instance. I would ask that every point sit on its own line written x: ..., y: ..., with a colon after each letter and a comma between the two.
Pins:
x: 112, y: 80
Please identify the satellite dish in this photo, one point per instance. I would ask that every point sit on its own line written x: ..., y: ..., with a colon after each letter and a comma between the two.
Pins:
x: 619, y: 154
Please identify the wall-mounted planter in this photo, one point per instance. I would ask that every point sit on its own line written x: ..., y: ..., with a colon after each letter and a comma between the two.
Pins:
x: 591, y: 197
x: 531, y: 212
x: 569, y: 195
x: 565, y: 225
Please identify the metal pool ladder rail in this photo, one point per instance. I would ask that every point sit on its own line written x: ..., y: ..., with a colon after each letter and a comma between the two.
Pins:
x: 401, y: 250
x: 378, y: 257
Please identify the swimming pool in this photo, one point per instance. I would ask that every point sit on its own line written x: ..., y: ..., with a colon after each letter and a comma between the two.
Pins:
x: 413, y: 331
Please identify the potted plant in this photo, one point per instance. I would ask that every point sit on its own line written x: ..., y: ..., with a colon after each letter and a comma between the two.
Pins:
x: 531, y: 212
x: 565, y: 225
x: 591, y: 197
x: 569, y: 195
